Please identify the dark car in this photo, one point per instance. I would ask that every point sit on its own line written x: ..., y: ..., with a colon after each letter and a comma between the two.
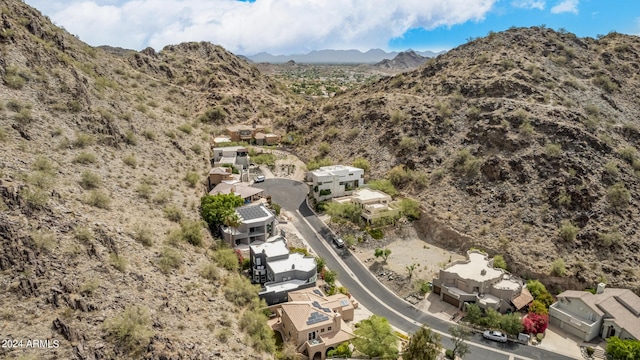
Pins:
x: 339, y: 242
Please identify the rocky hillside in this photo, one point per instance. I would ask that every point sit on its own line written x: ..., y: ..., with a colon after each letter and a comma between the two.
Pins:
x: 405, y: 60
x: 103, y: 154
x: 523, y: 143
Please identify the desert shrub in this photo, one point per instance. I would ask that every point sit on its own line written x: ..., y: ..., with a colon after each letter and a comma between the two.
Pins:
x: 43, y: 164
x: 144, y: 190
x: 37, y: 198
x: 344, y: 211
x: 196, y: 148
x: 192, y: 232
x: 143, y: 235
x: 465, y: 164
x: 376, y: 233
x: 85, y: 158
x: 192, y: 178
x: 558, y: 268
x: 628, y: 154
x: 553, y: 150
x: 227, y: 259
x: 118, y: 262
x: 213, y: 114
x: 526, y: 128
x: 568, y: 231
x: 90, y: 180
x: 499, y: 262
x: 83, y: 235
x: 43, y: 241
x: 399, y: 176
x: 239, y: 290
x: 316, y: 164
x: 89, y: 287
x: 605, y: 83
x: 130, y: 160
x: 162, y: 197
x: 264, y: 159
x: 3, y: 134
x: 185, y: 128
x: 223, y: 335
x: 261, y: 336
x: 618, y: 195
x: 169, y: 259
x: 383, y: 185
x: 130, y: 329
x: 130, y: 137
x: 408, y: 144
x: 210, y: 272
x: 149, y: 135
x: 324, y: 148
x: 611, y: 238
x: 98, y: 199
x: 410, y: 208
x: 362, y: 163
x: 173, y: 213
x: 83, y: 140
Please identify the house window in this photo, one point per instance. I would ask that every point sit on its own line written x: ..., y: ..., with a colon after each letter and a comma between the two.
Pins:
x: 258, y: 261
x: 312, y: 335
x: 322, y: 330
x: 329, y: 328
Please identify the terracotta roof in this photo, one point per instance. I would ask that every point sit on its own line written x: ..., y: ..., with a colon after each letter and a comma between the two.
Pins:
x: 244, y: 191
x: 523, y: 299
x: 338, y: 337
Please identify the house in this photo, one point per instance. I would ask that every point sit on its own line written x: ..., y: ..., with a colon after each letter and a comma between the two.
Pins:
x: 328, y: 182
x: 257, y: 224
x: 218, y: 175
x: 279, y: 271
x: 242, y: 132
x: 236, y: 156
x: 219, y: 141
x: 266, y: 139
x: 315, y: 323
x: 248, y: 193
x: 476, y: 281
x: 375, y: 204
x: 608, y: 312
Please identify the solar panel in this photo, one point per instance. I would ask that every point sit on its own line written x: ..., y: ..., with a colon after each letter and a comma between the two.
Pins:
x: 344, y: 302
x: 316, y: 317
x: 316, y: 305
x: 318, y: 292
x: 250, y: 213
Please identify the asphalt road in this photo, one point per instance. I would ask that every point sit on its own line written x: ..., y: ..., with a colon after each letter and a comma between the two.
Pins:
x: 291, y: 195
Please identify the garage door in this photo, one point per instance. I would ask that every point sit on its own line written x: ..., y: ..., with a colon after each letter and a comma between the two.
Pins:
x: 451, y: 300
x: 567, y: 327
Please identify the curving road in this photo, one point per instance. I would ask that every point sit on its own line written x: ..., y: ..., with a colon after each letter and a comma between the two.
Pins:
x: 291, y: 195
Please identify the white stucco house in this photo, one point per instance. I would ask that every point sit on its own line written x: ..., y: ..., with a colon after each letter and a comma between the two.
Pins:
x: 333, y: 181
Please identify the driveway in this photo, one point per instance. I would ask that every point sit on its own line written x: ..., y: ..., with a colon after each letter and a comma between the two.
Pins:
x: 291, y: 195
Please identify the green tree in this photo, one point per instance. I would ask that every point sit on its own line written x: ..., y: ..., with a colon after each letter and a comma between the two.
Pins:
x: 383, y: 185
x: 375, y: 338
x: 537, y: 307
x: 320, y: 263
x: 511, y: 324
x: 347, y: 211
x: 214, y: 208
x: 473, y: 313
x: 492, y: 318
x: 384, y: 253
x: 410, y: 208
x: 423, y: 345
x: 619, y: 349
x: 498, y: 262
x: 459, y: 334
x: 232, y: 219
x: 536, y: 288
x: 362, y: 163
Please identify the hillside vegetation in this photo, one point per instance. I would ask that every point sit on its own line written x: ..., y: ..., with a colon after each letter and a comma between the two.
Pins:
x: 522, y: 143
x: 103, y: 156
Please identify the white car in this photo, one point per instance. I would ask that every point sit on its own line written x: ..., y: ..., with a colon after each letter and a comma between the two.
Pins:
x: 495, y: 336
x: 259, y: 178
x: 339, y: 242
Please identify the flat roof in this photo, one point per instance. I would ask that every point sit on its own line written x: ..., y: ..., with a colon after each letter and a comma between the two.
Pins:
x: 283, y: 286
x: 332, y: 169
x: 475, y: 268
x: 295, y: 260
x: 254, y: 212
x: 271, y: 249
x: 365, y: 194
x: 230, y: 148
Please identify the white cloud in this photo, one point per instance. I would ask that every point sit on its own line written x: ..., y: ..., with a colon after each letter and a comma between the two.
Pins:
x: 277, y: 26
x: 566, y: 6
x: 529, y: 4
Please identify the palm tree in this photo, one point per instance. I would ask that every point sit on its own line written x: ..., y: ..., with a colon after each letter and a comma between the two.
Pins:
x: 232, y: 219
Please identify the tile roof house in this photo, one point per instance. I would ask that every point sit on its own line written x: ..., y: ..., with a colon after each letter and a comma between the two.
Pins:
x: 315, y: 323
x: 608, y: 312
x: 258, y: 224
x: 279, y: 271
x: 218, y: 175
x: 475, y: 280
x: 375, y: 204
x: 328, y: 182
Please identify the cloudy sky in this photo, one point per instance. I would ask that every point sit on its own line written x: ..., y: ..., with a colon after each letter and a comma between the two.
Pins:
x: 299, y: 26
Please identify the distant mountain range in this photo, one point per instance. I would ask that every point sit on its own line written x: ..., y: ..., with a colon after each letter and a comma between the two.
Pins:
x: 334, y: 57
x: 403, y: 61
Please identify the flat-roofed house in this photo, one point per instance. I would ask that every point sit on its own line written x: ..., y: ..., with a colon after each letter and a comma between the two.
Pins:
x: 236, y: 156
x: 333, y: 181
x: 257, y: 224
x: 608, y: 312
x: 475, y: 280
x: 279, y: 271
x: 375, y: 204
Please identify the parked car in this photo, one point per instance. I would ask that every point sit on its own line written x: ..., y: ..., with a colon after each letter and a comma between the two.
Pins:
x: 495, y: 336
x: 339, y: 242
x: 259, y: 178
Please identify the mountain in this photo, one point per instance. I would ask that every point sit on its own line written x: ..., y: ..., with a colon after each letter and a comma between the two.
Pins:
x: 333, y: 57
x: 523, y: 143
x: 102, y: 152
x: 403, y: 61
